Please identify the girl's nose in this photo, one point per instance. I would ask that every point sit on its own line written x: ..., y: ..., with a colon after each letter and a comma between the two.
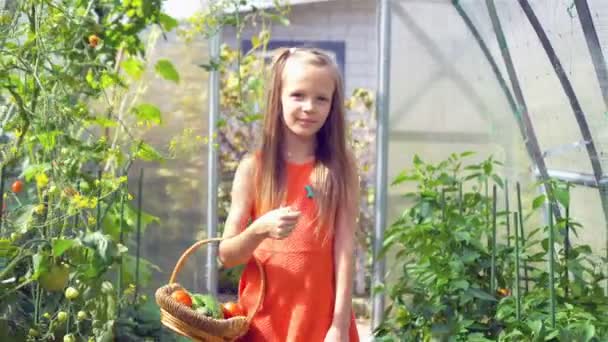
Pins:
x: 307, y: 105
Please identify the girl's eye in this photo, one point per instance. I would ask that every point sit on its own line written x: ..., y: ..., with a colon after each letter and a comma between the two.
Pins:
x: 322, y: 99
x: 297, y: 95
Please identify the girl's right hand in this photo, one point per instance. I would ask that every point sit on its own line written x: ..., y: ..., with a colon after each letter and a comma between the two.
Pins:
x: 278, y: 223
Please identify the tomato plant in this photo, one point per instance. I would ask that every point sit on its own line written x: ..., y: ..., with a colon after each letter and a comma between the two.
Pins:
x: 71, y: 130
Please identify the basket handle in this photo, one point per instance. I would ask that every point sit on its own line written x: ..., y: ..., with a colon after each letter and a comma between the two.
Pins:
x: 195, y: 246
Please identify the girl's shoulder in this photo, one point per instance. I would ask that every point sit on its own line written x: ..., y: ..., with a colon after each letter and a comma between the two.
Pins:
x: 248, y: 164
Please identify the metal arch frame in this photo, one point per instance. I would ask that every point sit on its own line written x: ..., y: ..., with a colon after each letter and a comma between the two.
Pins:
x: 567, y: 87
x: 599, y: 64
x: 574, y: 103
x: 211, y: 269
x: 382, y: 130
x: 528, y: 133
x: 526, y: 127
x: 593, y: 43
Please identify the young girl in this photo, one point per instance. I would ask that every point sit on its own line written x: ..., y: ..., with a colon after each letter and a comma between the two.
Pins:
x: 299, y: 194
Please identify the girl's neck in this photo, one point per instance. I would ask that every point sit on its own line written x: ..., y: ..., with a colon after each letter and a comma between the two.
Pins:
x: 299, y: 149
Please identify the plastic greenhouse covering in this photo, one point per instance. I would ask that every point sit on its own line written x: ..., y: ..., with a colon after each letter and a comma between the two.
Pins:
x: 475, y: 76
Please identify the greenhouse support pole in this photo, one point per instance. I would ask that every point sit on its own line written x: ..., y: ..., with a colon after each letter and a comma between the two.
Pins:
x: 599, y: 63
x: 212, y: 164
x: 567, y: 87
x: 382, y: 132
x: 530, y: 140
x: 486, y: 52
x: 593, y: 44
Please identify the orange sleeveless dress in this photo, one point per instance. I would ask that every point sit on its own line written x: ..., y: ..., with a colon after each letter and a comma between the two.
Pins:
x: 300, y: 290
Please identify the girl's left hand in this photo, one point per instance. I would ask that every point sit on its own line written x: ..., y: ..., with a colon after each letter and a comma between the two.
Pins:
x: 336, y: 335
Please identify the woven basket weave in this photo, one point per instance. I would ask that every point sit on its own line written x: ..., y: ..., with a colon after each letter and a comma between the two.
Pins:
x: 187, y: 322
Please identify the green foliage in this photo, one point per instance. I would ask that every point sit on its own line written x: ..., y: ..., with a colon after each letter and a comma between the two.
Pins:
x: 72, y: 125
x: 443, y: 245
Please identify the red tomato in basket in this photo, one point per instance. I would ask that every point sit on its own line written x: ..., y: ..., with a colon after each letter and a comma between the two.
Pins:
x: 232, y: 309
x: 182, y: 297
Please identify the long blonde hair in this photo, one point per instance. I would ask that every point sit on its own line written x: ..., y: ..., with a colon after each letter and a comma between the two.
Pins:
x: 334, y: 167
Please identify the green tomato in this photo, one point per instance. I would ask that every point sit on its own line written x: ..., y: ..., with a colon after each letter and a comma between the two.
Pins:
x: 81, y: 316
x: 56, y: 279
x: 71, y: 293
x: 107, y: 288
x: 62, y: 316
x: 69, y: 338
x: 33, y: 332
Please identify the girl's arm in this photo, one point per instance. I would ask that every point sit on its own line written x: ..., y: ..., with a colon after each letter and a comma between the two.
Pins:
x: 239, y: 243
x: 344, y: 243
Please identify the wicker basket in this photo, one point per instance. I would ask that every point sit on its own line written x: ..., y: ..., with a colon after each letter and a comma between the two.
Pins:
x: 187, y: 322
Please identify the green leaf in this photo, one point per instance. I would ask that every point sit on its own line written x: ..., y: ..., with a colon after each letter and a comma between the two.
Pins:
x: 497, y: 180
x: 112, y: 221
x: 467, y: 153
x: 147, y: 153
x: 167, y: 22
x: 562, y: 196
x: 107, y: 80
x: 102, y: 122
x: 480, y: 294
x: 6, y: 248
x: 538, y: 202
x: 166, y: 70
x: 102, y: 244
x: 62, y: 245
x: 255, y: 42
x: 145, y: 270
x: 589, y: 331
x: 147, y: 113
x: 34, y: 169
x: 48, y: 139
x: 41, y: 264
x: 404, y: 176
x: 133, y: 67
x: 90, y: 78
x: 279, y: 19
x: 552, y: 335
x: 460, y: 284
x: 537, y: 327
x: 487, y: 168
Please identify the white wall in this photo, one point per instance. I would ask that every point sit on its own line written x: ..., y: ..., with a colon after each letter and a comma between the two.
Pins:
x: 351, y: 21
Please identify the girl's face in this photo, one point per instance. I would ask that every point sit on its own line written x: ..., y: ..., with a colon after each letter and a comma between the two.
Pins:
x: 306, y: 97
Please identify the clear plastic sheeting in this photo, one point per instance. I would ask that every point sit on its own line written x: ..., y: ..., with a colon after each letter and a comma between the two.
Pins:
x: 452, y: 91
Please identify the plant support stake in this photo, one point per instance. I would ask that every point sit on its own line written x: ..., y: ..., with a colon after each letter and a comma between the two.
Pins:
x: 508, y: 213
x: 1, y: 197
x: 567, y: 247
x: 493, y: 262
x: 551, y: 270
x: 522, y: 234
x: 138, y: 243
x: 517, y: 294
